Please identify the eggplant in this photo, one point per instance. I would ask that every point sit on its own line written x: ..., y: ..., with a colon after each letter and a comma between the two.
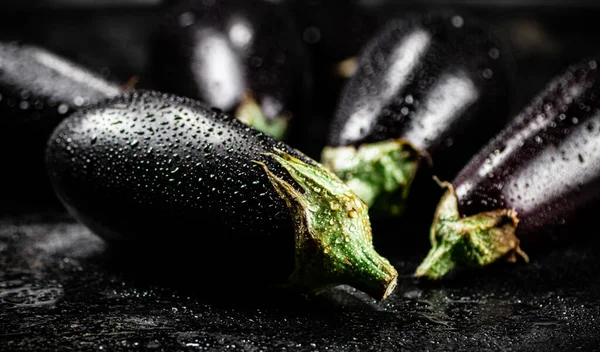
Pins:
x: 150, y: 167
x: 534, y: 180
x: 37, y: 90
x: 434, y: 85
x: 241, y: 56
x: 334, y: 32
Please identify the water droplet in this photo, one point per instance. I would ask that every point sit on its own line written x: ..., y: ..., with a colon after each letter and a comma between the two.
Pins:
x: 487, y: 73
x: 458, y: 21
x: 186, y: 19
x: 494, y: 53
x: 63, y: 108
x: 590, y: 127
x: 311, y: 35
x: 352, y: 214
x: 78, y: 101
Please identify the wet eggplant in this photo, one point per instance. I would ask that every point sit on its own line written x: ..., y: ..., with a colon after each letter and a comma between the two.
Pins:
x: 150, y: 167
x: 538, y: 176
x: 244, y: 57
x: 37, y: 90
x: 334, y: 33
x: 428, y: 84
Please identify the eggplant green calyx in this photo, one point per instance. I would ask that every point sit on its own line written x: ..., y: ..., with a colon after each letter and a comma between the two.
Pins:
x: 251, y: 114
x: 332, y: 232
x: 379, y: 173
x: 476, y: 240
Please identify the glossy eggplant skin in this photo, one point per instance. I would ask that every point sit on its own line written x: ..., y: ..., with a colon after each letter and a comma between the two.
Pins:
x: 220, y: 51
x: 37, y: 90
x: 196, y: 172
x: 171, y: 174
x: 36, y: 84
x: 440, y: 81
x: 334, y: 32
x: 545, y: 164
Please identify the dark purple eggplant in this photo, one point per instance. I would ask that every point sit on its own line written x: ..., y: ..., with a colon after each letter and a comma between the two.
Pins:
x: 241, y: 56
x: 156, y: 168
x: 528, y: 183
x: 432, y: 84
x: 334, y: 32
x: 37, y: 90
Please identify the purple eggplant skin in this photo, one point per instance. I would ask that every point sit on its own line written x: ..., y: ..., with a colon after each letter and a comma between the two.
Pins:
x: 441, y: 81
x: 222, y: 52
x: 546, y: 163
x: 90, y: 167
x: 334, y: 32
x: 154, y: 168
x: 535, y: 181
x: 37, y: 90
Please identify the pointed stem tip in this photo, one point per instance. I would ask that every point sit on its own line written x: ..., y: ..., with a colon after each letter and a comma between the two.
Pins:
x: 377, y: 280
x: 438, y: 263
x: 332, y: 231
x: 477, y: 240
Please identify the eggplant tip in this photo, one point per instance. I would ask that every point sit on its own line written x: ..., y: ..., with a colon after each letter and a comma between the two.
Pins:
x: 334, y: 243
x: 477, y: 240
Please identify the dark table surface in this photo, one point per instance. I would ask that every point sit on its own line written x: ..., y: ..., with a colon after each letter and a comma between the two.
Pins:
x: 62, y: 288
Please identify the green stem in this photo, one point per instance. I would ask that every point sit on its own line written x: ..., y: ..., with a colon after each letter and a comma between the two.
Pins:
x: 379, y: 173
x: 332, y: 232
x: 476, y: 240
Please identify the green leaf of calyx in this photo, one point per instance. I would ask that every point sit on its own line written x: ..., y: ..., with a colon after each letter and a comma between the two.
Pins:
x: 379, y: 173
x: 475, y: 241
x: 332, y: 232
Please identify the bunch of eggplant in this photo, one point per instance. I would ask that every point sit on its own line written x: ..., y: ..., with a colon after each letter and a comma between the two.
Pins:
x: 185, y: 166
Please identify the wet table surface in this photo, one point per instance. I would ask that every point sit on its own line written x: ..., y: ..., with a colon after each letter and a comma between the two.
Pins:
x: 62, y: 289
